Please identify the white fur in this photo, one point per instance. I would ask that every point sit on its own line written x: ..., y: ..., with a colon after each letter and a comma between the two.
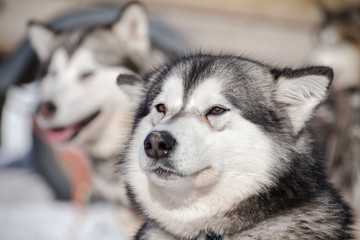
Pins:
x: 301, y: 95
x: 76, y: 99
x: 172, y: 95
x: 228, y: 146
x: 133, y: 29
x: 41, y: 38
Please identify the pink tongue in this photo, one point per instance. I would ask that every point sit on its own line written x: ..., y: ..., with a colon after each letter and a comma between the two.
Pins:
x: 60, y: 136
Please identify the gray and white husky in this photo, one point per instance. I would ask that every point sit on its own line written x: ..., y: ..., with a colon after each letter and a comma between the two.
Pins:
x: 80, y: 103
x: 220, y: 151
x: 78, y: 76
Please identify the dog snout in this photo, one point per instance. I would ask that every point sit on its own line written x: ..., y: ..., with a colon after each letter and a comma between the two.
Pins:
x: 47, y: 109
x: 159, y: 144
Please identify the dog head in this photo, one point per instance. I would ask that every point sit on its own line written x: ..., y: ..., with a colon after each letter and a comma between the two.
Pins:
x: 78, y: 93
x: 211, y: 131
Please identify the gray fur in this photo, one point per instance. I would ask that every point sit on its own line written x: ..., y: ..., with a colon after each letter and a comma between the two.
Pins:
x: 108, y: 50
x: 296, y: 203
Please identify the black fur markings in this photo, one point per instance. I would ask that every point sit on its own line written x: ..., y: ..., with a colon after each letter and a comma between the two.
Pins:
x: 43, y: 69
x: 128, y: 79
x: 212, y: 237
x: 299, y: 187
x: 197, y: 71
x: 130, y: 64
x: 297, y: 73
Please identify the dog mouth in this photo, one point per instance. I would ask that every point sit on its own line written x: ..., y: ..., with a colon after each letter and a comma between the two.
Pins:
x: 165, y: 173
x: 168, y: 173
x: 65, y: 134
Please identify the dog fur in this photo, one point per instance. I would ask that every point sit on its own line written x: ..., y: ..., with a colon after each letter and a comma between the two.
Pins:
x: 80, y: 104
x: 240, y: 163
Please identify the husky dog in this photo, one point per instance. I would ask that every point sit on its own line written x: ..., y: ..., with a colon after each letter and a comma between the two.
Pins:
x: 77, y: 80
x: 220, y: 150
x: 337, y: 122
x: 79, y: 102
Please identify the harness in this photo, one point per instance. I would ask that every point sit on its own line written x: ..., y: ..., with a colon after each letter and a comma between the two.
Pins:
x: 212, y: 237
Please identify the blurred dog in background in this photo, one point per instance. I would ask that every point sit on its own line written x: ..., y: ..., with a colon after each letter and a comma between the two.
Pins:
x: 80, y: 104
x: 338, y: 45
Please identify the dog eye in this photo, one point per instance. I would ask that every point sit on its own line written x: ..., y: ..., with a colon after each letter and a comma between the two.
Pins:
x: 85, y: 75
x: 217, y: 110
x: 160, y: 108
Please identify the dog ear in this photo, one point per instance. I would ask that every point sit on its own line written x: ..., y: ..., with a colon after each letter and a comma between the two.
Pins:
x: 301, y: 91
x: 129, y: 83
x: 132, y: 27
x: 41, y: 38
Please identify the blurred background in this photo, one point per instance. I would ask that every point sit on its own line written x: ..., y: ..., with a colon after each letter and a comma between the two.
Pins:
x: 268, y: 29
x: 36, y: 182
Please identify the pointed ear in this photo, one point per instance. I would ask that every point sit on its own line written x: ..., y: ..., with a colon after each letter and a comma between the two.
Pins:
x: 41, y: 38
x: 131, y: 84
x: 132, y: 27
x: 301, y: 90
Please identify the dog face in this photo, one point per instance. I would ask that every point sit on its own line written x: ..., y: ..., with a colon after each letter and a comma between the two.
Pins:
x: 192, y: 132
x: 211, y: 130
x: 78, y: 92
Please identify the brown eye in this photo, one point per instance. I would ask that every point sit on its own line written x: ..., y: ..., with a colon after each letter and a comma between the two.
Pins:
x: 160, y: 108
x: 86, y: 75
x: 217, y: 110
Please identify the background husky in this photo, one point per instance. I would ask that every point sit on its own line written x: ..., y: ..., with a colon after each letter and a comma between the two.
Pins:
x: 80, y: 104
x: 220, y: 151
x: 80, y: 69
x: 338, y: 120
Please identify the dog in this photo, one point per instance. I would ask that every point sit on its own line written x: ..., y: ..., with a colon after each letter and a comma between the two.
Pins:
x: 337, y: 121
x: 220, y: 150
x: 78, y: 75
x: 80, y: 104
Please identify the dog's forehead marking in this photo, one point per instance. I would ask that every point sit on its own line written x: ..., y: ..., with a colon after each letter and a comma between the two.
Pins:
x: 59, y: 59
x: 206, y: 94
x: 83, y: 59
x: 172, y: 93
x: 65, y: 65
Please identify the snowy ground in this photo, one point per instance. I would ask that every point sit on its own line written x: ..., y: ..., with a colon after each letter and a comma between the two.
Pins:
x: 28, y: 211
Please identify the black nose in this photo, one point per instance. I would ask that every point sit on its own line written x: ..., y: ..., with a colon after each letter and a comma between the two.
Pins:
x: 47, y: 109
x: 159, y: 144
